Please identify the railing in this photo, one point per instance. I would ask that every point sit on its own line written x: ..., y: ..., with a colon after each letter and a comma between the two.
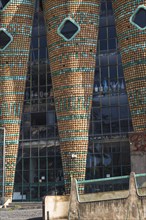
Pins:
x: 113, y: 184
x: 104, y: 184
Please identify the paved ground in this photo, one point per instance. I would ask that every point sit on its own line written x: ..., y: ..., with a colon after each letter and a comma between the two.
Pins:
x: 31, y: 214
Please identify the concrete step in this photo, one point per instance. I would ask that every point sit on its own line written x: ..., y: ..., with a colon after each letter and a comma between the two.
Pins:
x: 25, y: 205
x: 35, y: 214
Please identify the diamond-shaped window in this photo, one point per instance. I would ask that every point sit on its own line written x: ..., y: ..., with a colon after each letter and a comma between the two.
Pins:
x: 68, y: 29
x: 5, y: 39
x: 138, y: 18
x: 4, y: 4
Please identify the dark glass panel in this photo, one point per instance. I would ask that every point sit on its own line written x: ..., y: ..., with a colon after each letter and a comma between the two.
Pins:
x: 97, y: 128
x: 38, y: 118
x: 112, y: 32
x: 112, y: 44
x: 4, y: 39
x: 109, y: 8
x: 3, y: 3
x: 103, y: 9
x: 102, y: 33
x: 69, y: 29
x: 103, y: 45
x: 140, y: 18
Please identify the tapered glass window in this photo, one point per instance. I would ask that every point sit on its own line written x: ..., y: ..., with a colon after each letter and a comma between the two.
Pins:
x: 4, y: 3
x: 5, y: 39
x: 139, y: 17
x: 68, y: 29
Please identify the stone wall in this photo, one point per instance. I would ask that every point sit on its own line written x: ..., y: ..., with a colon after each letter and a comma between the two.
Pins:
x: 55, y: 207
x: 118, y: 205
x: 129, y: 206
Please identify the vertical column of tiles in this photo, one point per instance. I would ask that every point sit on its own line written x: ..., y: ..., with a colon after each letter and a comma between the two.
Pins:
x: 16, y: 21
x: 72, y: 58
x: 131, y: 38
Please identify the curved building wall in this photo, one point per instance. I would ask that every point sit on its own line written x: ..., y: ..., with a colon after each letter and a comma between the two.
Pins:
x: 133, y: 50
x: 72, y: 62
x: 16, y: 21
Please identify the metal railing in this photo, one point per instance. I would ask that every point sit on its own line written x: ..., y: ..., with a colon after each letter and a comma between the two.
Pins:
x: 104, y: 184
x: 113, y: 184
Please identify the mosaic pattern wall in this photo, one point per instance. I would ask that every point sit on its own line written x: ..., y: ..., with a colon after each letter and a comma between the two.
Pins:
x: 131, y: 29
x: 15, y: 31
x: 72, y: 58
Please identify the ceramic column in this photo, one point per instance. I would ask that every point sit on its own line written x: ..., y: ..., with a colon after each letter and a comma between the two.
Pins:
x: 72, y: 57
x: 15, y: 30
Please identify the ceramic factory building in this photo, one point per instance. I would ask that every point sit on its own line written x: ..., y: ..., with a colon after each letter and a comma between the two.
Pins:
x: 72, y: 93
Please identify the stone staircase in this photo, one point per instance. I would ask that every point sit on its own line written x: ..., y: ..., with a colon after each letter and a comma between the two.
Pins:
x: 25, y: 205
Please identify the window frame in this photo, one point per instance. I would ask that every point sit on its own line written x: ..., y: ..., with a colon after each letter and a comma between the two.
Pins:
x: 133, y: 16
x: 4, y: 7
x: 9, y: 35
x: 62, y: 25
